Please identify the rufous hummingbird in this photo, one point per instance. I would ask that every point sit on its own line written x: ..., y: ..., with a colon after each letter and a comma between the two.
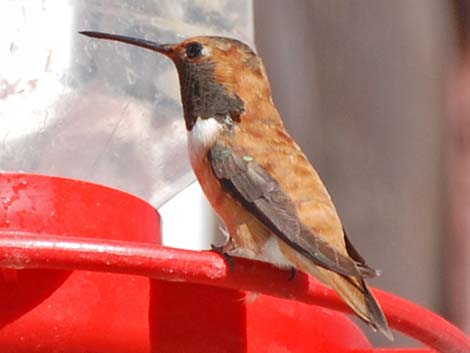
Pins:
x: 270, y: 198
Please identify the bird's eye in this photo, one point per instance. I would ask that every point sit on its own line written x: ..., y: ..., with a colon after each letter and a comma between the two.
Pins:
x: 194, y: 50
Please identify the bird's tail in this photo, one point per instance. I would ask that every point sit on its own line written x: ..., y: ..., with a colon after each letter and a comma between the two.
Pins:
x: 356, y: 293
x: 358, y: 296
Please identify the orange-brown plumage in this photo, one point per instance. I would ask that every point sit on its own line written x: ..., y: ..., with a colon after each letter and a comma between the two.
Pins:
x: 263, y: 187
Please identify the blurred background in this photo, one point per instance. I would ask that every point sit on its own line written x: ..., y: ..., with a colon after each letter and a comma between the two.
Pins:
x: 376, y: 92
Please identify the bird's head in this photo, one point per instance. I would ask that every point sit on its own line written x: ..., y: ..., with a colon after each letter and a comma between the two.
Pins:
x: 218, y: 76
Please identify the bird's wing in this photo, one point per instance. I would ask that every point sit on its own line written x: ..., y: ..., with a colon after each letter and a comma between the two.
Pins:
x: 365, y: 270
x: 261, y: 193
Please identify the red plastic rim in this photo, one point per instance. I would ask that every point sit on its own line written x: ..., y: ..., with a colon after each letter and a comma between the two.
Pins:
x: 209, y: 268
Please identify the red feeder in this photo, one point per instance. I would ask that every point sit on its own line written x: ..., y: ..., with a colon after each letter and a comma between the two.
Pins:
x: 83, y: 271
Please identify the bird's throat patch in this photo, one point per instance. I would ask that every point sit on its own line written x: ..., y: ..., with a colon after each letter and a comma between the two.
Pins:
x: 204, y: 97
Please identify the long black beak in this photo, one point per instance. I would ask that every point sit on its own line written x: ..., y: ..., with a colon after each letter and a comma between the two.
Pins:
x: 165, y: 49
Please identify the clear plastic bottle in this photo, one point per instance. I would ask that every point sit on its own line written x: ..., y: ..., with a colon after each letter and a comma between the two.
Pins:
x: 101, y: 111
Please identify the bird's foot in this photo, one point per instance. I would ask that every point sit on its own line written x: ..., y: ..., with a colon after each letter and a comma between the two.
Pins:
x: 293, y: 273
x: 221, y: 250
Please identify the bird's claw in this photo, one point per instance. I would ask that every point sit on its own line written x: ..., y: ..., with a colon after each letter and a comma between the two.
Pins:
x: 221, y: 250
x: 293, y: 273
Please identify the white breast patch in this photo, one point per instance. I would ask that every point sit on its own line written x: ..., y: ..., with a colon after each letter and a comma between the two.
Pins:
x: 202, y: 136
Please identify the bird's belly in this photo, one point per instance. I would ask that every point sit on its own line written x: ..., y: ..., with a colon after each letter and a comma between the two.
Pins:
x: 271, y: 252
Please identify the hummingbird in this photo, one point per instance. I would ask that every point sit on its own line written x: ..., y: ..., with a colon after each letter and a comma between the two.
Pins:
x: 257, y: 179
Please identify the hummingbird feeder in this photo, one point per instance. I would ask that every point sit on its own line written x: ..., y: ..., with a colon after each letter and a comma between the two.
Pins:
x: 83, y: 270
